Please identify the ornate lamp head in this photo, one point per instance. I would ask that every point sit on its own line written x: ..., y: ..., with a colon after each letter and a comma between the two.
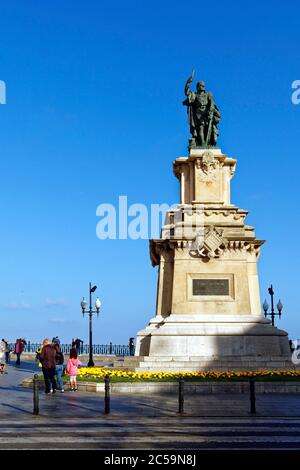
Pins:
x: 98, y: 305
x: 265, y: 307
x: 279, y: 307
x: 83, y: 304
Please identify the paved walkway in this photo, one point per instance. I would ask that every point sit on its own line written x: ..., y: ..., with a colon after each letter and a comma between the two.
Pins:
x: 17, y: 402
x: 151, y: 433
x: 137, y: 421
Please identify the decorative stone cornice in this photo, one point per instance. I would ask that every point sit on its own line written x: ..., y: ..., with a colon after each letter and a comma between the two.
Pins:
x: 213, y: 246
x: 159, y: 248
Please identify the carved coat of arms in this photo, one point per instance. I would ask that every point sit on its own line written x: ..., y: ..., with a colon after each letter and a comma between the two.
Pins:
x: 207, y: 166
x: 208, y: 246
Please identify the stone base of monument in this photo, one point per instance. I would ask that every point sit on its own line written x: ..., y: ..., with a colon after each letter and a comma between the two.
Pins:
x: 202, y: 342
x: 208, y: 307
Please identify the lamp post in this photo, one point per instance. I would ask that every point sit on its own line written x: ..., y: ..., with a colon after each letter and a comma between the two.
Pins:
x: 91, y: 312
x: 266, y: 306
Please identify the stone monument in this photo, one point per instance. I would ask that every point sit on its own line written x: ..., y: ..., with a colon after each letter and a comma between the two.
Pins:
x: 208, y: 312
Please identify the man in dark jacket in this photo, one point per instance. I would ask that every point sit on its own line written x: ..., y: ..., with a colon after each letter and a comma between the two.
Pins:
x: 131, y: 346
x: 78, y: 343
x: 47, y: 358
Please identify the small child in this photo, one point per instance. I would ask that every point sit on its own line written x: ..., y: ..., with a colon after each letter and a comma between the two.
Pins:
x: 72, y: 369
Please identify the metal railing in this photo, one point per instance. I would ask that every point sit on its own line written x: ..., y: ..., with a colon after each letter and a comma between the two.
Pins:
x: 107, y: 395
x: 115, y: 349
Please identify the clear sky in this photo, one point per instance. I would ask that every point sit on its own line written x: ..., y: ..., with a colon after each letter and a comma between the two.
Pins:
x: 94, y: 92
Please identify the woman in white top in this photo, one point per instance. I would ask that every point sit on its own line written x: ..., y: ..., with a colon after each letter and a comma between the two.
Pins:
x: 2, y: 357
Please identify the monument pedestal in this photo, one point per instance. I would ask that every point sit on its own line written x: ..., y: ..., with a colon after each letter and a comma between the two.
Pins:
x: 208, y: 310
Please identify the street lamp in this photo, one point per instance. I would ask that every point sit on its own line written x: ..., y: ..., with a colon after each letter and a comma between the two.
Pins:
x: 266, y: 306
x: 83, y: 304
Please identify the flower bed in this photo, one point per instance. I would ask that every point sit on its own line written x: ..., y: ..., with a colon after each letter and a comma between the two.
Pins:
x: 97, y: 374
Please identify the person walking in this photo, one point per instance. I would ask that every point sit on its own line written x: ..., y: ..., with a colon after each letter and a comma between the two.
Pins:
x: 59, y: 368
x: 131, y: 346
x: 47, y: 358
x: 7, y: 350
x: 19, y: 346
x: 38, y: 356
x: 2, y: 357
x: 72, y: 369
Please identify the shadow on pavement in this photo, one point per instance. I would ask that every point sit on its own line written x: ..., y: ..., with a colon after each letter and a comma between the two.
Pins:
x: 16, y: 408
x: 25, y: 367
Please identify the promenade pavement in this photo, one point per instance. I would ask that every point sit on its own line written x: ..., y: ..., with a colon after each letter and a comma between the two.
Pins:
x: 146, y: 422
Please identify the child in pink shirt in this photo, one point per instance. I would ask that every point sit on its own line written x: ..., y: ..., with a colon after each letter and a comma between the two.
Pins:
x: 72, y: 369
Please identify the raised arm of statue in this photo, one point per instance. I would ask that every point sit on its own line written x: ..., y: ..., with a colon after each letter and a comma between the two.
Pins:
x: 187, y: 90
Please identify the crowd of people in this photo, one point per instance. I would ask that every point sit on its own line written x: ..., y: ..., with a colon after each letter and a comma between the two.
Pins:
x: 51, y: 360
x: 5, y: 351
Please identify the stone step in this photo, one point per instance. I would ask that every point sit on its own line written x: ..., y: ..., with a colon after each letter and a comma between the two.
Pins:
x: 174, y: 368
x: 216, y: 363
x: 137, y: 361
x: 130, y: 359
x: 202, y: 363
x: 199, y: 368
x: 212, y: 359
x: 212, y: 365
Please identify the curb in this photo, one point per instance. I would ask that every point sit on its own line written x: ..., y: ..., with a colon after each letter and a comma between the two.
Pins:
x: 190, y: 387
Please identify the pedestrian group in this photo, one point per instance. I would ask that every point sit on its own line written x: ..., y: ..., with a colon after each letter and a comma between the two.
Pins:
x: 51, y: 360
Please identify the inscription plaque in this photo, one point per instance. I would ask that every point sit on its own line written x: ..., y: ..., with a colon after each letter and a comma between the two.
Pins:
x: 210, y: 286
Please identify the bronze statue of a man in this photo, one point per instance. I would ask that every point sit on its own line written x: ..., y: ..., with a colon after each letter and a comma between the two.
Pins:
x: 203, y: 115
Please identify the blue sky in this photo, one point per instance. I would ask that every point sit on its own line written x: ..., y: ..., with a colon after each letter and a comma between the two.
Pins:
x: 93, y: 111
